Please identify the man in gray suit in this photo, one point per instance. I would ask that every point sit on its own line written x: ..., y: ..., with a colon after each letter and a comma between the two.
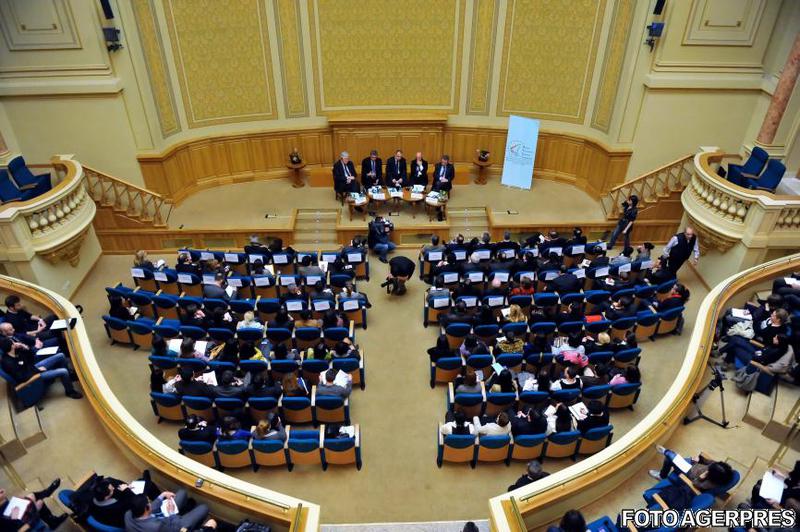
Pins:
x: 327, y: 387
x: 145, y: 516
x: 216, y: 290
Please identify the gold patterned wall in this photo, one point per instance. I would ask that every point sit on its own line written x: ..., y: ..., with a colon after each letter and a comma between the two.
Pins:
x: 484, y: 36
x: 223, y: 58
x: 612, y: 64
x: 292, y: 57
x: 548, y: 58
x: 387, y: 53
x: 158, y: 74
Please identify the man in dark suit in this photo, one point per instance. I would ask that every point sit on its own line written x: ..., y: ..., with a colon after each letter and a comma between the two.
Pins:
x: 532, y: 474
x: 112, y: 498
x: 597, y: 417
x: 345, y: 178
x: 216, y: 290
x: 419, y: 171
x: 372, y: 170
x: 443, y: 175
x: 565, y: 283
x: 185, y: 265
x: 189, y: 386
x: 197, y: 429
x: 396, y: 171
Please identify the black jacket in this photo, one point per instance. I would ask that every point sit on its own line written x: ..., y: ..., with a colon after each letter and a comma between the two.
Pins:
x: 396, y: 171
x: 366, y: 168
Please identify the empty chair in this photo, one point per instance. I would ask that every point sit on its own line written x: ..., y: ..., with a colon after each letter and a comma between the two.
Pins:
x: 562, y: 444
x: 278, y: 335
x: 355, y: 309
x: 342, y: 451
x: 497, y: 402
x: 624, y: 395
x: 9, y: 191
x: 528, y: 446
x: 268, y: 308
x: 166, y: 306
x: 166, y: 406
x: 599, y: 393
x: 445, y: 369
x: 25, y: 179
x: 329, y: 408
x: 296, y: 409
x: 117, y: 330
x: 261, y: 407
x: 456, y: 332
x: 512, y: 361
x: 434, y: 305
x: 354, y: 367
x: 752, y: 167
x: 228, y: 406
x: 199, y: 451
x: 200, y: 406
x: 471, y: 404
x: 595, y: 440
x: 268, y: 453
x: 621, y: 326
x: 646, y: 325
x: 457, y: 448
x: 304, y: 446
x: 305, y: 337
x: 494, y: 449
x: 769, y: 180
x: 233, y: 453
x: 670, y: 321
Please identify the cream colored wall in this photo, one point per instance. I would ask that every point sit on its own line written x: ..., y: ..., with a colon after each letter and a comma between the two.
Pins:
x: 174, y: 81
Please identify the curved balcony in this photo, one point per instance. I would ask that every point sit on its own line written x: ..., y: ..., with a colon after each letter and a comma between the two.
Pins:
x: 229, y: 497
x: 52, y: 225
x: 544, y: 502
x: 725, y: 213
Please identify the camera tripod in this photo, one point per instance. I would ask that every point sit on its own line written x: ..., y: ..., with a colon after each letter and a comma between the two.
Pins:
x: 716, y: 382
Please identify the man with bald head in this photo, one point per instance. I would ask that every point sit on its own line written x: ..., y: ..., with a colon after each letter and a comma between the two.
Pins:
x: 679, y: 248
x: 419, y: 171
x: 7, y: 331
x: 344, y: 175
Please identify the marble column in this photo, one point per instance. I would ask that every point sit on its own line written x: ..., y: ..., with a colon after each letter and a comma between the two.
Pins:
x: 780, y: 99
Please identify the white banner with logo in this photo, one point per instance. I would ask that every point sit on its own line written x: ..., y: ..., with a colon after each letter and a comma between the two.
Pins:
x: 523, y: 133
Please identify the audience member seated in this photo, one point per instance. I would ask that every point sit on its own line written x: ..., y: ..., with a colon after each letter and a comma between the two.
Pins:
x: 470, y: 383
x: 217, y: 289
x: 197, y: 429
x: 230, y: 386
x: 112, y: 498
x: 704, y: 474
x: 327, y: 384
x: 18, y: 361
x: 294, y: 386
x: 456, y: 423
x: 26, y: 323
x: 572, y: 521
x: 559, y: 419
x: 145, y: 516
x: 570, y: 380
x: 283, y: 320
x: 36, y: 516
x: 510, y: 343
x: 231, y: 429
x: 249, y: 321
x: 269, y: 429
x: 499, y: 426
x: 527, y: 421
x: 140, y: 260
x: 597, y: 417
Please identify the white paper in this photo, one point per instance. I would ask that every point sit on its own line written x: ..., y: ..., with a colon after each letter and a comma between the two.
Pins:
x: 379, y: 196
x: 200, y: 346
x: 234, y: 281
x: 350, y: 304
x: 160, y: 263
x: 415, y: 196
x: 601, y: 272
x: 550, y: 411
x: 349, y: 430
x: 58, y: 325
x: 580, y: 273
x: 440, y: 302
x: 342, y: 379
x: 329, y: 257
x: 294, y: 306
x: 460, y: 254
x: 496, y: 301
x: 209, y: 378
x: 208, y: 278
x: 497, y: 367
x: 395, y: 193
x: 418, y: 188
x: 174, y: 345
x: 577, y: 250
x: 232, y: 257
x: 137, y: 486
x: 184, y: 278
x: 262, y: 281
x: 624, y: 268
x: 230, y: 290
x: 434, y: 256
x: 549, y: 276
x: 470, y: 301
x: 579, y: 411
x: 681, y: 463
x: 47, y: 351
x: 16, y: 503
x: 483, y: 254
x: 528, y: 275
x: 165, y: 507
x: 161, y: 277
x: 353, y: 257
x: 505, y: 312
x: 479, y: 375
x: 601, y: 245
x: 771, y: 487
x: 501, y: 276
x: 286, y: 280
x: 360, y: 200
x: 476, y: 277
x: 646, y: 264
x: 450, y: 277
x: 252, y: 258
x: 206, y: 255
x: 133, y: 311
x: 321, y: 304
x: 585, y: 263
x: 137, y: 273
x: 557, y: 251
x: 280, y: 258
x: 509, y: 253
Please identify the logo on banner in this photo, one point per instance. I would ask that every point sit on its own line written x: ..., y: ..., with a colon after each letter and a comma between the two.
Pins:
x: 519, y: 152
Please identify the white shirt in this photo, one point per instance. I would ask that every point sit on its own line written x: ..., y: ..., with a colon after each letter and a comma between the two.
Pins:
x: 447, y: 428
x: 674, y: 242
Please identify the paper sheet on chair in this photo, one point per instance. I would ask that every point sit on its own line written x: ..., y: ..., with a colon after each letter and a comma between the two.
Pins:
x: 58, y: 325
x: 161, y: 277
x: 168, y: 508
x: 341, y: 379
x: 137, y: 486
x: 741, y: 314
x: 209, y: 378
x: 681, y: 463
x: 579, y: 411
x: 14, y: 504
x: 47, y: 351
x: 771, y: 486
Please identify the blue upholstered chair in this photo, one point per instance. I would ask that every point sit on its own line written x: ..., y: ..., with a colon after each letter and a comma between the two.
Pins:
x: 626, y: 357
x: 342, y: 451
x: 25, y: 394
x: 305, y: 337
x: 166, y: 406
x: 528, y: 446
x: 199, y: 406
x: 117, y: 330
x: 304, y: 446
x: 752, y: 166
x: 562, y: 444
x: 445, y: 369
x: 261, y: 407
x: 268, y: 453
x: 494, y: 449
x: 329, y: 408
x: 624, y: 395
x: 233, y: 453
x: 595, y: 440
x: 354, y: 367
x: 457, y: 448
x: 296, y: 409
x: 670, y: 321
x: 26, y: 180
x: 456, y: 332
x: 199, y: 451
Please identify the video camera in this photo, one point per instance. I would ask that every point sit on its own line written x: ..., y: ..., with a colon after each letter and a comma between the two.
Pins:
x: 718, y: 377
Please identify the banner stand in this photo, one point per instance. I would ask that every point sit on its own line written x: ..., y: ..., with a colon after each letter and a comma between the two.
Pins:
x: 523, y: 135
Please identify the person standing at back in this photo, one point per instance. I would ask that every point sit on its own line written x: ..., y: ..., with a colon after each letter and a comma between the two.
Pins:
x: 630, y: 210
x: 681, y: 247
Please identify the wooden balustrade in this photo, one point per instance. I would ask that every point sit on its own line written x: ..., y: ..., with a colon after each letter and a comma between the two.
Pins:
x: 127, y: 199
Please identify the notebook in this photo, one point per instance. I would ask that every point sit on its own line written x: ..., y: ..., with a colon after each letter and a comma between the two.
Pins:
x: 681, y: 463
x: 771, y: 486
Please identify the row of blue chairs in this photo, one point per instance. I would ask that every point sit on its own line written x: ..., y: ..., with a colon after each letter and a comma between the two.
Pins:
x: 18, y: 183
x: 309, y: 368
x: 294, y: 410
x: 446, y: 369
x: 759, y: 172
x: 302, y: 447
x: 468, y: 448
x: 489, y: 403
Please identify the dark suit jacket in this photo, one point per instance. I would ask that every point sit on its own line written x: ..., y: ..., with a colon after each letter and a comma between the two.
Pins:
x: 195, y: 388
x: 422, y: 178
x: 207, y: 433
x: 670, y: 303
x: 339, y: 182
x: 366, y: 168
x: 215, y: 292
x: 396, y: 171
x: 566, y: 283
x: 592, y: 422
x: 449, y: 174
x: 112, y: 512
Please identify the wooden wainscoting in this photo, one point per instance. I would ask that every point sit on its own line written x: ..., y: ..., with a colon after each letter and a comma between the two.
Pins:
x: 212, y: 161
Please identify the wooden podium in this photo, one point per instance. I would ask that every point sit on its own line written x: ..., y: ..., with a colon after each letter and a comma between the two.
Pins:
x: 483, y: 169
x: 297, y: 173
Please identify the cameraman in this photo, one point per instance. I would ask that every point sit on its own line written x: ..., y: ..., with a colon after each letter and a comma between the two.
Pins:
x: 379, y: 239
x: 630, y: 210
x: 400, y: 271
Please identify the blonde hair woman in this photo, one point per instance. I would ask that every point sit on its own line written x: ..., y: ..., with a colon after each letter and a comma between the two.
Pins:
x: 515, y: 314
x: 140, y: 260
x: 249, y: 321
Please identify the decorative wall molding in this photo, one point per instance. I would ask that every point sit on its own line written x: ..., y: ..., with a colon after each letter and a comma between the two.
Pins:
x: 481, y: 61
x: 723, y: 22
x: 69, y: 251
x: 708, y: 239
x: 38, y: 25
x: 292, y: 56
x: 614, y: 59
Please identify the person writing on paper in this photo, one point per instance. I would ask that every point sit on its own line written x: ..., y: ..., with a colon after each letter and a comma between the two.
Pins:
x: 372, y: 170
x: 443, y: 175
x: 705, y: 474
x: 30, y: 512
x: 330, y: 383
x: 190, y: 383
x: 396, y: 171
x: 630, y: 210
x: 419, y: 170
x: 344, y: 175
x: 163, y: 514
x: 681, y: 247
x: 596, y: 417
x: 559, y: 419
x: 217, y: 289
x: 18, y: 361
x: 307, y: 268
x: 112, y: 498
x: 790, y: 497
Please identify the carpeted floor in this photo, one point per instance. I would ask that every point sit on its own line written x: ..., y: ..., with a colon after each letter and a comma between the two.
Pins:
x: 398, y: 412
